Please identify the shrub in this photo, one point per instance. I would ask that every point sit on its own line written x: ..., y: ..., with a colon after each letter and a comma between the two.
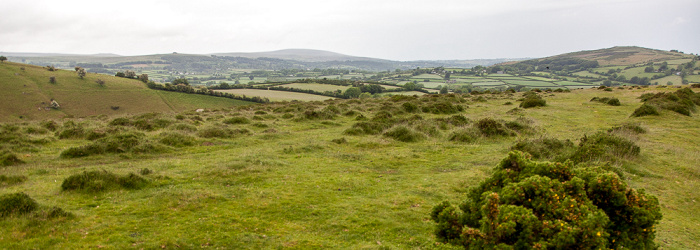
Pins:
x: 634, y: 128
x: 464, y: 135
x: 490, y: 127
x: 98, y: 181
x: 366, y: 128
x: 533, y: 101
x: 116, y: 143
x: 237, y: 120
x: 604, y: 147
x: 319, y: 115
x: 609, y: 101
x: 145, y: 171
x: 404, y: 134
x: 442, y: 108
x: 545, y: 148
x: 184, y: 127
x: 11, y: 180
x: 7, y: 158
x: 340, y: 140
x: 50, y: 125
x: 16, y: 204
x: 410, y: 107
x: 176, y: 139
x: 528, y: 205
x: 73, y: 132
x: 121, y: 121
x: 645, y: 110
x: 219, y: 132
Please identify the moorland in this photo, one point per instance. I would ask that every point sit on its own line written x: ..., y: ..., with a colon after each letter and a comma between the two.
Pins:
x: 190, y: 168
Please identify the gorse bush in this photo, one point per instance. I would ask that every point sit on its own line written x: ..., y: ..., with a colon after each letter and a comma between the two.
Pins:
x: 404, y: 134
x: 442, y: 108
x: 115, y: 143
x: 645, y: 110
x: 237, y: 120
x: 490, y: 127
x: 531, y: 99
x: 221, y: 132
x: 8, y: 158
x: 612, y: 101
x: 463, y: 135
x: 544, y: 205
x: 633, y: 128
x: 16, y: 204
x: 604, y: 147
x: 175, y: 139
x: 683, y: 101
x: 546, y: 148
x: 98, y: 181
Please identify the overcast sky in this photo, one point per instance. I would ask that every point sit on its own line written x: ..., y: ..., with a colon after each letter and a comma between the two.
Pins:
x: 397, y: 30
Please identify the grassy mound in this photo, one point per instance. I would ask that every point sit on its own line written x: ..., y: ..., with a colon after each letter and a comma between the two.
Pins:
x: 10, y: 180
x: 683, y: 101
x: 98, y: 181
x: 612, y: 101
x: 404, y: 134
x: 16, y: 204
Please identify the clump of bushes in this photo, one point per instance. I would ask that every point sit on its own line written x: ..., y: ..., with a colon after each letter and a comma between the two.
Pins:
x: 531, y: 99
x: 604, y: 147
x: 175, y: 139
x: 490, y: 127
x: 340, y: 140
x: 463, y: 135
x: 442, y: 108
x: 529, y: 205
x: 8, y: 158
x: 221, y: 132
x: 633, y: 128
x: 11, y: 180
x: 115, y: 143
x: 237, y: 120
x: 98, y: 181
x: 545, y: 148
x: 683, y: 101
x: 146, y: 122
x: 612, y: 101
x: 183, y: 127
x: 404, y: 134
x: 645, y: 110
x: 410, y: 107
x: 16, y: 204
x: 367, y: 128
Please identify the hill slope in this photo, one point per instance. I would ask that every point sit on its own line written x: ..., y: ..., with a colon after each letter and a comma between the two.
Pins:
x: 27, y: 92
x: 624, y: 55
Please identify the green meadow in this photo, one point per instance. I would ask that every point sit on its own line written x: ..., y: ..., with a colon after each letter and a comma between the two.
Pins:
x: 317, y: 174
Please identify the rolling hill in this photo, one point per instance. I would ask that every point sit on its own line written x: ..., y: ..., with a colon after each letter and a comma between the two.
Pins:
x: 27, y: 92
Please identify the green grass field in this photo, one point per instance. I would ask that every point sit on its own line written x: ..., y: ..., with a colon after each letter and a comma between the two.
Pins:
x: 27, y: 92
x: 294, y: 181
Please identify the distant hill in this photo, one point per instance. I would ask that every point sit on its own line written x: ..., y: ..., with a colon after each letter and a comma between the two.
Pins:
x: 623, y: 56
x: 272, y: 60
x: 26, y: 92
x: 303, y: 55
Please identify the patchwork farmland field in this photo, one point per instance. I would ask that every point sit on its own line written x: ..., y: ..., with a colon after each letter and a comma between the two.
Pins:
x: 275, y: 95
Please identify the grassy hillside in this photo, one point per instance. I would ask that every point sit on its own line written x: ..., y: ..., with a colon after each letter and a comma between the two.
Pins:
x: 306, y: 175
x: 626, y: 55
x: 27, y: 91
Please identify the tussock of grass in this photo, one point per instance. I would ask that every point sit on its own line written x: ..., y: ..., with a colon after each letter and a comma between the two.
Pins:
x: 545, y: 148
x: 99, y: 181
x: 404, y: 134
x: 531, y: 100
x: 237, y: 120
x: 464, y: 135
x: 612, y: 101
x: 10, y: 180
x: 175, y: 139
x: 683, y: 101
x: 116, y: 143
x: 221, y: 132
x: 8, y: 158
x: 604, y: 147
x: 16, y: 204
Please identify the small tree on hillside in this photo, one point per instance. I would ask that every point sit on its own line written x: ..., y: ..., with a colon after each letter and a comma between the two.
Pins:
x: 81, y: 72
x: 143, y: 78
x: 52, y: 79
x: 3, y: 59
x: 130, y: 74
